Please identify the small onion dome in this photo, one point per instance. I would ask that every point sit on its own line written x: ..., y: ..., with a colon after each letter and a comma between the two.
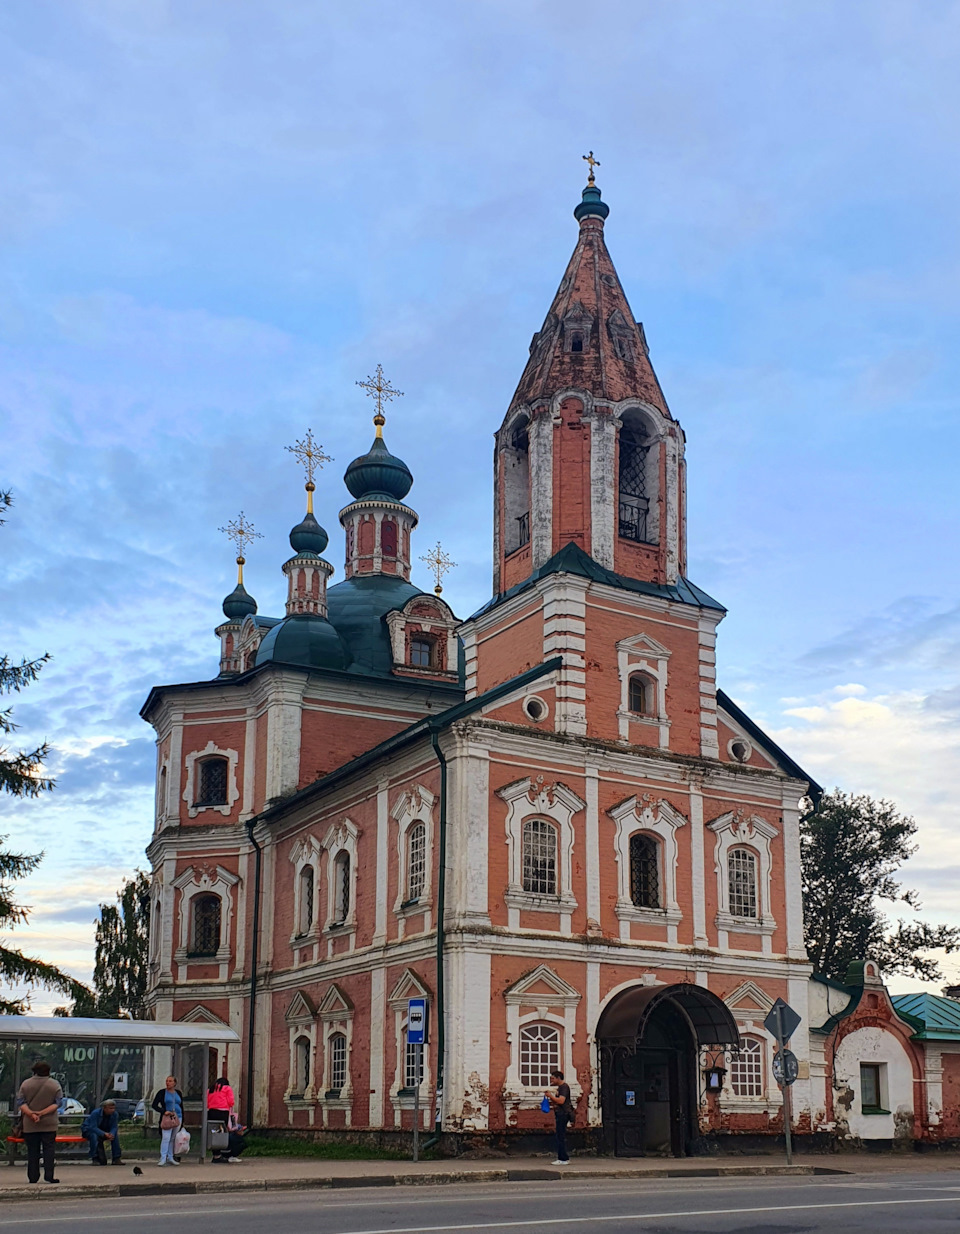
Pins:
x: 308, y: 536
x: 239, y: 604
x: 591, y: 204
x: 378, y: 474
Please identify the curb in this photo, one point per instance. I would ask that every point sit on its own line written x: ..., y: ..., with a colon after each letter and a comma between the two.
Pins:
x: 528, y: 1174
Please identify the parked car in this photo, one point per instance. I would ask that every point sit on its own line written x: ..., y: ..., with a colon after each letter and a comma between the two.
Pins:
x: 72, y: 1106
x: 140, y: 1113
x: 126, y: 1106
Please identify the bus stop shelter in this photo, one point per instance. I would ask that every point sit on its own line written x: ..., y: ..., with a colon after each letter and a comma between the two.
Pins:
x: 124, y: 1060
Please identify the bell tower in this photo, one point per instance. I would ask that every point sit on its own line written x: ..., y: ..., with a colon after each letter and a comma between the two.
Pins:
x: 588, y: 452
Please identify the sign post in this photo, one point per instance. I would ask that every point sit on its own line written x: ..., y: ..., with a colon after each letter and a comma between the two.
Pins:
x: 782, y: 1023
x: 416, y: 1037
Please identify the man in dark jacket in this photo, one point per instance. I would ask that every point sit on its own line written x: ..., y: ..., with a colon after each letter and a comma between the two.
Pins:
x: 99, y: 1128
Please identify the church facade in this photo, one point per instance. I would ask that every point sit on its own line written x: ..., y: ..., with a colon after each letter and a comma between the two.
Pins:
x: 546, y: 820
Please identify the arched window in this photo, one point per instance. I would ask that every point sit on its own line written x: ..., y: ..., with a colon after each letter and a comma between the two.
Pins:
x: 388, y: 538
x: 301, y: 1062
x: 746, y: 1069
x: 516, y: 486
x: 634, y: 498
x: 206, y: 925
x: 576, y: 341
x: 540, y: 857
x: 642, y: 695
x: 337, y: 1045
x: 539, y: 1054
x: 341, y: 888
x: 162, y: 793
x: 416, y: 860
x: 305, y: 916
x: 421, y: 652
x: 644, y: 871
x: 212, y: 783
x: 742, y: 882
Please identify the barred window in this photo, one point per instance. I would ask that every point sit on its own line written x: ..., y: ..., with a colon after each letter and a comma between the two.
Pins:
x: 746, y: 1069
x: 539, y: 1054
x: 644, y: 871
x: 306, y: 900
x: 212, y: 786
x: 634, y: 503
x: 421, y: 652
x: 206, y: 925
x: 641, y: 695
x: 412, y: 1064
x: 337, y: 1045
x: 301, y: 1060
x: 416, y: 860
x: 540, y: 857
x: 742, y: 875
x: 341, y: 888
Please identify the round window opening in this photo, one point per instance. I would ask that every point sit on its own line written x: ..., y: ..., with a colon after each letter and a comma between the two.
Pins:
x: 740, y: 750
x: 536, y: 709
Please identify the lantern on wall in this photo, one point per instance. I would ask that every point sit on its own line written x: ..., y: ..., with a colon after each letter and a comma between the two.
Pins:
x: 713, y: 1068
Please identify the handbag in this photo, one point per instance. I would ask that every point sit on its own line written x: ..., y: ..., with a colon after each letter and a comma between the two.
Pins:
x: 169, y: 1121
x: 219, y: 1139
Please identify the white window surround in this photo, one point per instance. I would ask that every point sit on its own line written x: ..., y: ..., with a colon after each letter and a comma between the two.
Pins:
x: 750, y: 1005
x: 301, y: 1019
x: 739, y: 741
x: 643, y: 654
x: 661, y: 819
x: 211, y: 750
x: 409, y: 986
x: 336, y: 1016
x: 542, y: 996
x: 205, y: 881
x: 534, y: 703
x: 414, y: 806
x: 528, y: 799
x: 306, y: 852
x: 341, y: 837
x: 739, y: 830
x: 441, y: 629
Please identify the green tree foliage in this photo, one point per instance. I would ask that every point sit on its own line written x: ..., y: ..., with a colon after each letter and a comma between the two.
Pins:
x: 21, y: 775
x: 123, y: 941
x: 852, y: 846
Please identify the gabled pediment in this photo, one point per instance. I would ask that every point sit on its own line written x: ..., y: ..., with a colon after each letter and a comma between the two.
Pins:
x: 578, y: 315
x: 542, y: 987
x: 644, y: 644
x: 335, y: 1005
x: 202, y: 1015
x: 618, y: 323
x: 301, y: 1009
x: 748, y: 997
x: 409, y: 986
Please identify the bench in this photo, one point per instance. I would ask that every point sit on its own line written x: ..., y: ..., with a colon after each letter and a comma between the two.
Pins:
x: 14, y: 1140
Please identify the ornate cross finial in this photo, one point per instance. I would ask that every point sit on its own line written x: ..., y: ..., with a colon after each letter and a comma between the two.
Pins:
x: 241, y: 533
x: 588, y: 158
x: 379, y: 388
x: 439, y: 562
x: 310, y: 455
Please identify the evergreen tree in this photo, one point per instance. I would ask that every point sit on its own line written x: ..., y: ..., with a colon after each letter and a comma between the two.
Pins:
x: 852, y: 846
x: 21, y: 775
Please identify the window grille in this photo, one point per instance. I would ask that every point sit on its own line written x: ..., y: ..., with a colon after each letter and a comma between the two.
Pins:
x: 539, y: 857
x: 640, y: 695
x: 412, y: 1064
x: 306, y: 898
x: 644, y: 871
x: 206, y: 925
x: 301, y: 1052
x: 634, y: 503
x: 416, y: 860
x: 539, y: 1054
x: 212, y: 790
x: 746, y: 1069
x: 341, y: 879
x: 742, y: 874
x: 421, y: 652
x: 337, y: 1046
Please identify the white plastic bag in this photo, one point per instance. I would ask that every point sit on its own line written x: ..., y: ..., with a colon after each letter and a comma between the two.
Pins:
x: 181, y: 1143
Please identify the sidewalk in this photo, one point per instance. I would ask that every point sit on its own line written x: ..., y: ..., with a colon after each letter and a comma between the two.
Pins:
x: 79, y: 1180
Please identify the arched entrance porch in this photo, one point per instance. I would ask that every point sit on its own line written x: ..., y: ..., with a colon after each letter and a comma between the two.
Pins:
x: 649, y: 1040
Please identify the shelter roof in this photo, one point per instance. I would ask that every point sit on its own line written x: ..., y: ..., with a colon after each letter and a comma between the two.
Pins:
x: 142, y: 1032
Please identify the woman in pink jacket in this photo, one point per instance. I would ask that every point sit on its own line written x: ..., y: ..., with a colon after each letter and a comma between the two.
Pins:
x: 220, y: 1101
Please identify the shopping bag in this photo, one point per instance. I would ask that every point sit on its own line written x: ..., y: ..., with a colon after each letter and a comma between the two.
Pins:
x: 545, y: 1105
x: 181, y: 1143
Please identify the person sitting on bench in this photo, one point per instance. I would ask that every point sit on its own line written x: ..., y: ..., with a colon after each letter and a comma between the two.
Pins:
x: 100, y: 1126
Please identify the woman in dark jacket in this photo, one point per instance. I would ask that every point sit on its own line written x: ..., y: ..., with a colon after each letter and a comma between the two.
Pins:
x: 168, y: 1100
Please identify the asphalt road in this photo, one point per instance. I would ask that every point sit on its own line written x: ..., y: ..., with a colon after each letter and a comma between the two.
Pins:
x: 926, y: 1203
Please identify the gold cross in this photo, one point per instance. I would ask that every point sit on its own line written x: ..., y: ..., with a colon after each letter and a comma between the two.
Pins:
x: 310, y: 455
x: 588, y: 158
x: 241, y: 533
x: 439, y: 562
x: 380, y: 389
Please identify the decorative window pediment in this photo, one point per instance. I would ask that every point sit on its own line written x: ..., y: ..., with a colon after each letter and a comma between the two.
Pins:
x: 748, y: 1000
x: 541, y: 988
x: 529, y: 800
x: 335, y: 1005
x: 192, y: 792
x: 301, y: 1009
x: 641, y: 655
x: 659, y: 818
x: 413, y: 809
x: 738, y: 830
x: 340, y: 846
x: 408, y: 986
x: 197, y: 883
x: 423, y: 638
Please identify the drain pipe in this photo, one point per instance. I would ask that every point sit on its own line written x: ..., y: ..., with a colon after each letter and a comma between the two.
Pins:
x: 441, y: 904
x: 254, y: 963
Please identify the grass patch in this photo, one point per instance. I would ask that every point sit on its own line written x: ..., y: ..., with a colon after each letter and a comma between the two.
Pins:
x: 268, y: 1146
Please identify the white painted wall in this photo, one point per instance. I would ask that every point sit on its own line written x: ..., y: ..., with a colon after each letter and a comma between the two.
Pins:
x: 874, y: 1045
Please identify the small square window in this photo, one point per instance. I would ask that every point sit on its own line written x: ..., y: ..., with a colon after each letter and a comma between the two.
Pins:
x: 421, y: 652
x: 871, y: 1088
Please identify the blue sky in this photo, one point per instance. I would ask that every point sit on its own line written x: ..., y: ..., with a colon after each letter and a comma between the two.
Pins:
x: 215, y: 218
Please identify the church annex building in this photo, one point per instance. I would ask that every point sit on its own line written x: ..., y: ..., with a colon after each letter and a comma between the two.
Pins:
x: 546, y: 820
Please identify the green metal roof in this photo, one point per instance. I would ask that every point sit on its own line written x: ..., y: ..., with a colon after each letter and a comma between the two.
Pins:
x: 939, y: 1016
x: 303, y: 639
x: 768, y: 744
x: 571, y: 559
x: 357, y: 607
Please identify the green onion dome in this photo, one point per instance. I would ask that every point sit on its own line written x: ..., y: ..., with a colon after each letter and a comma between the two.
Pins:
x: 308, y: 536
x: 591, y: 204
x: 378, y: 474
x: 239, y: 604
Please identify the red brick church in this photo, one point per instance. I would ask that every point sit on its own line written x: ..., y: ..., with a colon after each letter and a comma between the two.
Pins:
x: 546, y: 820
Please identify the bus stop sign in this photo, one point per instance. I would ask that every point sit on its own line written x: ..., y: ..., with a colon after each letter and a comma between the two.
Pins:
x: 416, y: 1021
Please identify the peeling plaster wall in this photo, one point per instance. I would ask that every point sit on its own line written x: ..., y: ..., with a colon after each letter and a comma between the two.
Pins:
x: 873, y: 1045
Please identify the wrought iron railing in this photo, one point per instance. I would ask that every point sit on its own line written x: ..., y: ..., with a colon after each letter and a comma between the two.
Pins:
x: 633, y: 518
